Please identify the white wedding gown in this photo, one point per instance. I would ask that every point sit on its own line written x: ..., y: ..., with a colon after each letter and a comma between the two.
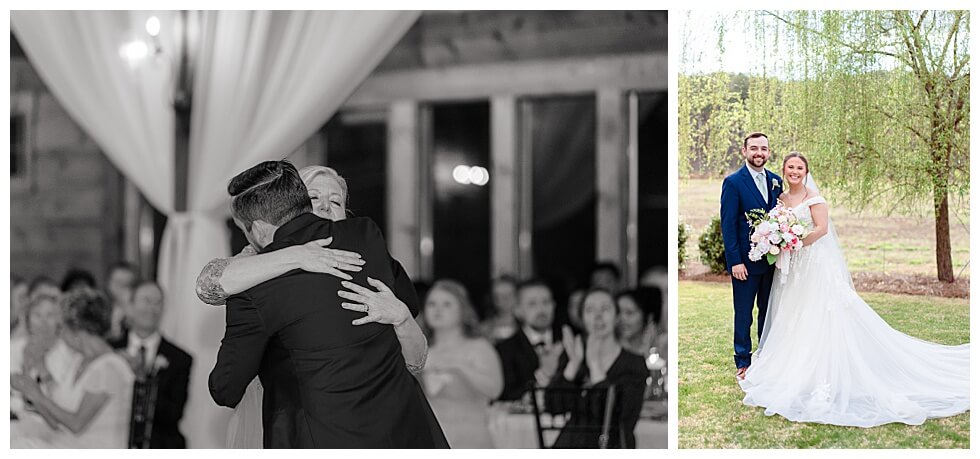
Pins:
x: 245, y: 425
x: 825, y: 356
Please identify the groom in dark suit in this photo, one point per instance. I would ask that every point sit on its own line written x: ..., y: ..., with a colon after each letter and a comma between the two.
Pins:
x: 327, y: 383
x: 751, y: 187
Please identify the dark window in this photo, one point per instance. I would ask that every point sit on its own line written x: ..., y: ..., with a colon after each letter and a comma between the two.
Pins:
x: 461, y: 208
x: 563, y: 198
x: 358, y: 152
x: 18, y: 154
x: 652, y: 181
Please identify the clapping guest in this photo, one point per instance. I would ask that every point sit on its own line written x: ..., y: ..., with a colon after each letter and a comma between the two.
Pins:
x: 501, y: 323
x: 600, y: 361
x: 120, y: 280
x: 41, y: 354
x: 462, y: 374
x: 531, y: 355
x: 97, y: 413
x: 155, y: 361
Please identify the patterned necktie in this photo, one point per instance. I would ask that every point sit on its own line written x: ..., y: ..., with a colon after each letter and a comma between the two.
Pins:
x: 761, y: 185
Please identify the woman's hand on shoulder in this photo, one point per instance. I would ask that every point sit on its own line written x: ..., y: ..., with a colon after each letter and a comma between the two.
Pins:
x: 381, y: 306
x: 316, y: 257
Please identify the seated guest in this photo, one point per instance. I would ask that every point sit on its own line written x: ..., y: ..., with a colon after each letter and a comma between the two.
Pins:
x: 41, y: 354
x: 120, y: 280
x: 637, y: 313
x: 18, y: 304
x: 500, y: 323
x: 462, y: 373
x: 599, y: 361
x: 606, y: 275
x: 156, y: 361
x: 531, y: 355
x: 77, y: 278
x: 95, y: 413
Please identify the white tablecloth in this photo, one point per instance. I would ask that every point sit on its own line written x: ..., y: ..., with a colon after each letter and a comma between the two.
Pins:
x: 517, y: 431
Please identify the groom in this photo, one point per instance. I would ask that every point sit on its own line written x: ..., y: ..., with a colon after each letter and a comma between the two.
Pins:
x: 751, y: 187
x: 327, y: 383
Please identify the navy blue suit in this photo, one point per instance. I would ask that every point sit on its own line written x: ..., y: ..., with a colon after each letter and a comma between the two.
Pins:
x: 739, y: 194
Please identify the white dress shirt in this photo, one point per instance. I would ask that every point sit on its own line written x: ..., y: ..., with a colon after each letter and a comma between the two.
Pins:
x: 150, y: 343
x: 760, y: 181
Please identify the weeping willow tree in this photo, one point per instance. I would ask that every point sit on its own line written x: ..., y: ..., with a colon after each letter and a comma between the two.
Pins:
x: 878, y: 100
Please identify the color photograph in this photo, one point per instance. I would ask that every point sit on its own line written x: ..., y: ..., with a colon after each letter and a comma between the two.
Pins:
x: 823, y: 232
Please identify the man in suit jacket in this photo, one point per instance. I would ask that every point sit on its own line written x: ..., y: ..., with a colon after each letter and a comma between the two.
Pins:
x: 157, y: 361
x: 327, y: 383
x: 751, y: 187
x: 531, y: 354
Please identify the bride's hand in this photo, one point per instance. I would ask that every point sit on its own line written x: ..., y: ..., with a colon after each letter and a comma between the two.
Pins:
x: 381, y: 306
x: 316, y: 257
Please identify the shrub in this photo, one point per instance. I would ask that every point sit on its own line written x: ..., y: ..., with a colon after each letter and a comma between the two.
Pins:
x: 712, y: 247
x: 683, y: 232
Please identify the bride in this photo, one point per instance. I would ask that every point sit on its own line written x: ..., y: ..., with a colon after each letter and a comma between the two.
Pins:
x: 825, y: 356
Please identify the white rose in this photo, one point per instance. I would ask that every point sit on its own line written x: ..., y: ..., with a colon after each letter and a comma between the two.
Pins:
x: 774, y: 250
x: 782, y: 219
x: 774, y: 238
x: 798, y: 229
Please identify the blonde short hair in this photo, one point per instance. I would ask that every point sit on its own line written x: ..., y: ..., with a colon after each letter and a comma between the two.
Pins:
x: 308, y: 173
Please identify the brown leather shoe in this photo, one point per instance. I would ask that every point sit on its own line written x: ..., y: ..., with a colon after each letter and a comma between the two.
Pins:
x: 740, y: 374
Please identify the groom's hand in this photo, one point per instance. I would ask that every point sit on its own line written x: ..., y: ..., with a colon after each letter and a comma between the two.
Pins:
x: 739, y: 272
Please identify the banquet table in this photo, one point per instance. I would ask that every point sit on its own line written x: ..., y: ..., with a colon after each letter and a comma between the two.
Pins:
x: 516, y: 430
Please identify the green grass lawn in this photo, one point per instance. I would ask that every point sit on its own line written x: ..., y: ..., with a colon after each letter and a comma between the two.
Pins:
x: 711, y: 413
x: 872, y: 242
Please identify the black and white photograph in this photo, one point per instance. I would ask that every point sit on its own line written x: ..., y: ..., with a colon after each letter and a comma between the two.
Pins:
x: 259, y: 229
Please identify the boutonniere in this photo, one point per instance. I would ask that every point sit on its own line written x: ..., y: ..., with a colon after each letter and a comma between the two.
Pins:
x: 160, y: 363
x: 775, y: 183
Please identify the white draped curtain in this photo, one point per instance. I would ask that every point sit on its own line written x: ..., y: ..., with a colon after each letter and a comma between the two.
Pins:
x: 125, y: 108
x: 264, y: 82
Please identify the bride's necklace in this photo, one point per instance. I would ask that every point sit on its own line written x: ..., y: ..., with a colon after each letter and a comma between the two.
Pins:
x: 793, y: 198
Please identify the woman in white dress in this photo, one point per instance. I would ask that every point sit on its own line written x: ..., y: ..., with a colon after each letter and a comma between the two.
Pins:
x: 825, y: 356
x: 463, y: 372
x: 95, y: 411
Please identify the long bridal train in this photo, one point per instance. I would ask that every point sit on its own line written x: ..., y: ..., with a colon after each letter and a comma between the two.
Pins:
x: 827, y: 357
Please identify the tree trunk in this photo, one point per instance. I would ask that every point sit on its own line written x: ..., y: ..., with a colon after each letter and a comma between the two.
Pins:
x: 944, y: 249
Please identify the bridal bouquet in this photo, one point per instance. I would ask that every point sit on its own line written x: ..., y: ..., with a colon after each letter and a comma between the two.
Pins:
x: 775, y: 233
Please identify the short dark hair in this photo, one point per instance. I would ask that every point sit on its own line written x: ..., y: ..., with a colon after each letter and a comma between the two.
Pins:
x: 532, y: 282
x: 753, y: 135
x: 75, y: 276
x: 606, y: 266
x: 271, y: 191
x: 87, y: 310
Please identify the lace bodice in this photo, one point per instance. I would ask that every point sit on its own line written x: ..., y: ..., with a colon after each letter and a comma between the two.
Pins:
x: 802, y: 210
